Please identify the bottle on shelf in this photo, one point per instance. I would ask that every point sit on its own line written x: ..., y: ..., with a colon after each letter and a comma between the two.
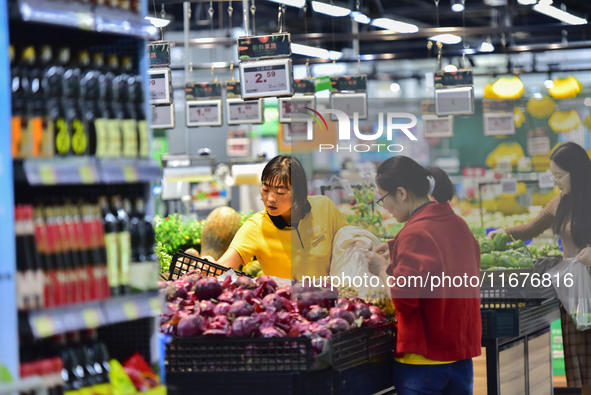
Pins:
x: 29, y: 273
x: 61, y: 93
x: 32, y: 129
x: 73, y: 104
x: 123, y: 242
x: 129, y: 127
x: 18, y: 103
x: 110, y: 229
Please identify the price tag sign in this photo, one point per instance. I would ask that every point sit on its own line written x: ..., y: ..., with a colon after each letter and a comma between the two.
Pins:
x: 91, y: 318
x: 305, y: 86
x: 233, y: 89
x: 545, y: 180
x: 438, y: 127
x: 163, y: 116
x: 43, y: 326
x: 255, y: 47
x: 129, y: 174
x: 241, y: 111
x: 538, y: 145
x: 159, y: 53
x: 131, y: 310
x: 349, y: 103
x: 155, y: 305
x: 454, y: 101
x: 87, y: 175
x: 460, y: 77
x: 159, y: 86
x: 204, y: 112
x: 266, y: 78
x: 354, y: 83
x: 203, y: 90
x: 295, y: 108
x: 498, y: 123
x: 47, y: 175
x: 509, y: 186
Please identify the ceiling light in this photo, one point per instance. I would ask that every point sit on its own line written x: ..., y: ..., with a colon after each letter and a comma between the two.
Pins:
x: 397, y: 26
x: 315, y: 52
x: 330, y: 9
x: 395, y: 87
x: 446, y: 38
x: 527, y: 2
x: 457, y: 5
x: 486, y: 46
x: 545, y: 7
x: 157, y: 22
x: 293, y: 3
x: 549, y: 84
x: 360, y: 17
x: 450, y: 68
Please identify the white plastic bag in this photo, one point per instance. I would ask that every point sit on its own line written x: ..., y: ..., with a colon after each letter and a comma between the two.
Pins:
x: 572, y: 283
x: 349, y: 261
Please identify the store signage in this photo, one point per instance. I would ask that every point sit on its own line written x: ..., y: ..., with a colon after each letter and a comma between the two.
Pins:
x: 296, y: 108
x: 159, y: 53
x: 350, y: 103
x: 204, y: 112
x: 203, y: 90
x: 444, y: 79
x: 509, y: 186
x: 305, y: 86
x: 163, y: 116
x: 454, y: 101
x: 438, y: 127
x: 266, y: 78
x: 256, y: 47
x: 233, y: 88
x: 538, y: 145
x: 240, y: 111
x: 498, y: 123
x: 352, y: 83
x: 545, y: 180
x: 159, y: 86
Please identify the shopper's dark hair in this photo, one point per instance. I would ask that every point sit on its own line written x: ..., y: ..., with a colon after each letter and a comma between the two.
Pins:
x: 402, y: 171
x: 287, y: 170
x: 573, y: 159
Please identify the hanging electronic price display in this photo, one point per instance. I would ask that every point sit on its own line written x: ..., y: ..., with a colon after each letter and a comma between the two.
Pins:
x: 498, y: 123
x: 240, y: 111
x: 163, y: 116
x: 438, y: 127
x: 204, y: 112
x: 353, y: 83
x: 159, y: 86
x: 350, y: 104
x: 454, y: 101
x: 195, y: 90
x: 260, y: 47
x: 296, y: 108
x: 266, y: 78
x: 159, y: 53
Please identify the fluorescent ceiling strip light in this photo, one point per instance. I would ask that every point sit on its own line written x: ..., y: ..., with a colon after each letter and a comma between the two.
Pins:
x: 486, y: 46
x: 330, y: 9
x: 397, y: 26
x: 293, y: 3
x: 158, y: 22
x: 527, y: 2
x: 360, y: 17
x: 446, y: 38
x: 315, y: 52
x: 545, y: 8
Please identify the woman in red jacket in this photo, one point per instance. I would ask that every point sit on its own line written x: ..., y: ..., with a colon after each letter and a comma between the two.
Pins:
x: 433, y: 275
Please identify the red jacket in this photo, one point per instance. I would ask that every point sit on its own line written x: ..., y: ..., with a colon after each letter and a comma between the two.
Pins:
x: 443, y: 324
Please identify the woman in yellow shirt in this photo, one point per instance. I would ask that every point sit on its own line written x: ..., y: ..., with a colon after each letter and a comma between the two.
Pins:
x: 293, y: 236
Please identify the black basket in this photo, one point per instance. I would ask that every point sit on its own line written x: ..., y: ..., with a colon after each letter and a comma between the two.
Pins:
x: 183, y: 263
x: 360, y: 345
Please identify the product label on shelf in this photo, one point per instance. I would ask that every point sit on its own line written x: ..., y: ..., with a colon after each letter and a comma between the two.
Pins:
x: 47, y: 175
x: 87, y: 175
x: 47, y: 138
x: 124, y: 241
x: 91, y: 318
x: 131, y: 310
x: 130, y: 137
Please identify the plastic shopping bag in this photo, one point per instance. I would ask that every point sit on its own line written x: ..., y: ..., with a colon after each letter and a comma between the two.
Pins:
x: 572, y: 283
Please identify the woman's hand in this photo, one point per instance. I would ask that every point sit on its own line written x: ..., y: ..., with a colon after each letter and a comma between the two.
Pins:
x: 496, y: 232
x: 584, y: 256
x: 383, y: 250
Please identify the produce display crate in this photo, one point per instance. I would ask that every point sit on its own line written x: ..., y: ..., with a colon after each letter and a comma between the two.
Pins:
x: 498, y: 292
x: 182, y: 263
x: 234, y: 354
x: 518, y: 321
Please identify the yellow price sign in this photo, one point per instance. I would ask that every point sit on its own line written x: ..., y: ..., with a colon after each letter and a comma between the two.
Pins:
x: 86, y: 175
x: 155, y: 305
x: 129, y: 174
x: 91, y: 318
x: 131, y: 311
x: 47, y: 175
x: 44, y: 326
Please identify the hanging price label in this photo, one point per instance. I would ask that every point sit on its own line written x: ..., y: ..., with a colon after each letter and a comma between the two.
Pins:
x: 266, y: 78
x: 241, y: 111
x: 509, y: 186
x: 159, y: 86
x: 545, y: 180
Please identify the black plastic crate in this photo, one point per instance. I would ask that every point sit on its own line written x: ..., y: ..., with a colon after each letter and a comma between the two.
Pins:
x: 499, y: 323
x: 234, y: 354
x: 182, y: 263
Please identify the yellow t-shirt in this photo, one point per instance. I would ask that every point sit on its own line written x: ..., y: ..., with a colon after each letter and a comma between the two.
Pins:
x: 418, y: 359
x: 275, y: 248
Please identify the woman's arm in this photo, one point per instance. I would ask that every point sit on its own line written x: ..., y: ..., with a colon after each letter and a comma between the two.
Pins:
x: 536, y: 226
x: 231, y: 259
